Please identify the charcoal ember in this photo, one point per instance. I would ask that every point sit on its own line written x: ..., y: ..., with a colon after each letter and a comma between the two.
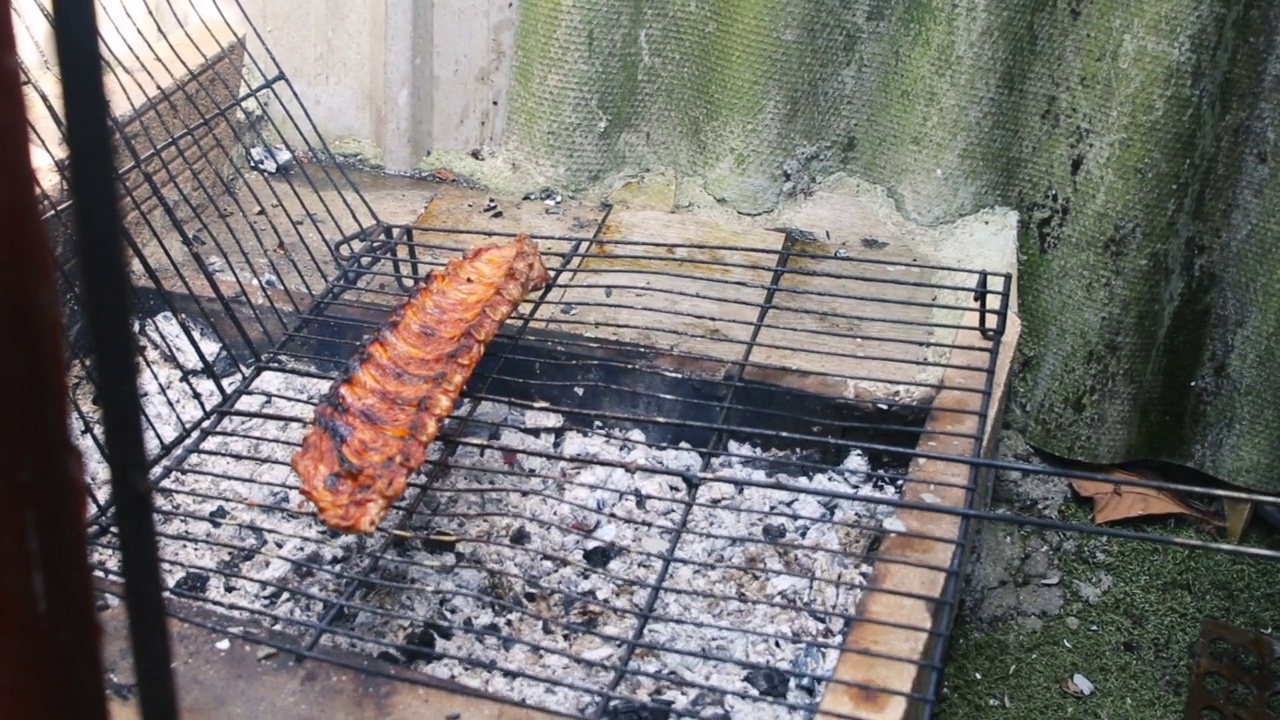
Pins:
x: 193, y: 583
x: 653, y: 709
x: 306, y: 568
x: 773, y: 532
x: 237, y: 559
x: 769, y: 682
x: 218, y: 513
x: 187, y: 343
x: 600, y: 556
x: 121, y: 691
x: 389, y: 657
x: 808, y: 663
x: 520, y: 536
x: 421, y: 645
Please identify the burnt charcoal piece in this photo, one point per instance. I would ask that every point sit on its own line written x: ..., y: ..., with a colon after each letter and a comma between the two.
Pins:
x: 389, y: 657
x: 440, y: 542
x: 421, y: 645
x: 306, y: 569
x: 773, y: 532
x: 655, y: 709
x: 120, y: 690
x: 237, y: 559
x: 218, y: 513
x: 601, y: 555
x: 444, y: 632
x: 193, y: 583
x: 520, y: 536
x: 807, y: 664
x: 769, y: 682
x: 224, y: 364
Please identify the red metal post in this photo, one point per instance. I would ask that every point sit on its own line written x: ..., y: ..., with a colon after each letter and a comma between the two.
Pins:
x: 49, y: 639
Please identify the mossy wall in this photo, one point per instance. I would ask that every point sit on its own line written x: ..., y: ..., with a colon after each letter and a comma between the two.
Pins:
x: 1137, y: 138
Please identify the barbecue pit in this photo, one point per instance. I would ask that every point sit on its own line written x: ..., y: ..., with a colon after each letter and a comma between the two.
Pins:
x: 693, y: 476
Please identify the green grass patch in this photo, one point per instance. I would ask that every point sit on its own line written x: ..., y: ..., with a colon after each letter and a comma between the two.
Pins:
x: 1135, y: 642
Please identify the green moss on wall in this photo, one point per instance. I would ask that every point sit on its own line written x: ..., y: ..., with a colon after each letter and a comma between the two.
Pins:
x: 1123, y: 132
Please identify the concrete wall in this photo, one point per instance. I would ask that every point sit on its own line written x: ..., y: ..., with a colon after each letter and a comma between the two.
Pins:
x: 394, y: 80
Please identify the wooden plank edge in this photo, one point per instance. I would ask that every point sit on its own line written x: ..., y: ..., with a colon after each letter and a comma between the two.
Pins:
x: 866, y: 684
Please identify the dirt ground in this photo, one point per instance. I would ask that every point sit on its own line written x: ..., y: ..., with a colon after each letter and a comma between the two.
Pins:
x: 1040, y: 606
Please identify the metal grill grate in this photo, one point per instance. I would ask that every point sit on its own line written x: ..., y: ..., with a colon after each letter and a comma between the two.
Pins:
x: 674, y: 482
x: 604, y: 523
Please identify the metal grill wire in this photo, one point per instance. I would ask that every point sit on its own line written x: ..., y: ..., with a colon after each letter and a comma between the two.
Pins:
x: 201, y: 224
x: 337, y: 598
x: 233, y: 535
x: 375, y: 566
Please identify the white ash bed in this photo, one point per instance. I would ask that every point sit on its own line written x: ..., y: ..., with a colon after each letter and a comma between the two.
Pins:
x: 533, y: 558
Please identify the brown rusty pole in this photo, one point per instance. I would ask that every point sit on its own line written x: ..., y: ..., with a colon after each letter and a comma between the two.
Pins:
x: 49, y: 663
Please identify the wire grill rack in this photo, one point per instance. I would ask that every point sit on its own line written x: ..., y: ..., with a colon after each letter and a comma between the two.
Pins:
x: 665, y: 493
x: 595, y: 531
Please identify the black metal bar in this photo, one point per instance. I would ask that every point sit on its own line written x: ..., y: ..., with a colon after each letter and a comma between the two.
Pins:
x: 98, y: 240
x: 49, y: 650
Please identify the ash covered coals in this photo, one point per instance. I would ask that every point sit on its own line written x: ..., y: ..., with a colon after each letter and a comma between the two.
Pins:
x: 540, y: 560
x: 232, y: 528
x: 765, y: 579
x: 183, y: 373
x: 562, y: 537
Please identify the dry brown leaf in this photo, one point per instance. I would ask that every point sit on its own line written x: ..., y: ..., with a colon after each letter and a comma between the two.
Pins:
x: 1113, y: 502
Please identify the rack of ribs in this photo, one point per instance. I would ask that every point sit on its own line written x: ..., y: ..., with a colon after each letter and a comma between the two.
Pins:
x: 372, y: 429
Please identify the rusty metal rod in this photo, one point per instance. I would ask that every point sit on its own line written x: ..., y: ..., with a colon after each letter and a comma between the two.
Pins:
x: 49, y: 638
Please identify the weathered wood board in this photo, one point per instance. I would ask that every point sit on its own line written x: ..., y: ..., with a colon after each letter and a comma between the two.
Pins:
x: 469, y: 209
x: 895, y: 618
x: 673, y: 290
x: 870, y: 323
